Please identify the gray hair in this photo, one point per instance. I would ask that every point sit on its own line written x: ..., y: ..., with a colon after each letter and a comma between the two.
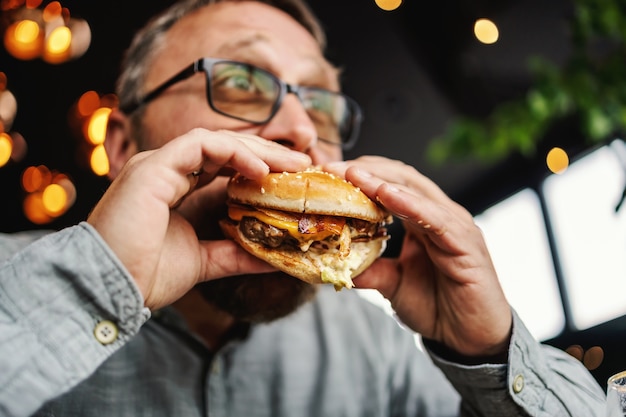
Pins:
x: 149, y: 40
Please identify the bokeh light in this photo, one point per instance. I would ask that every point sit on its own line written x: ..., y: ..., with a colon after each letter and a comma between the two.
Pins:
x: 33, y: 4
x: 557, y: 160
x: 54, y: 199
x: 6, y: 148
x: 52, y: 11
x: 99, y: 161
x: 19, y: 146
x: 57, y: 48
x: 50, y: 34
x: 34, y: 209
x: 8, y: 109
x: 36, y: 178
x: 49, y: 194
x: 97, y: 126
x: 388, y: 5
x: 89, y: 118
x: 24, y: 39
x: 486, y: 31
x: 88, y: 103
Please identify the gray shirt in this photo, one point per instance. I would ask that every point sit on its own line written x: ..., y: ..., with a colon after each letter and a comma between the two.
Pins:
x: 336, y: 356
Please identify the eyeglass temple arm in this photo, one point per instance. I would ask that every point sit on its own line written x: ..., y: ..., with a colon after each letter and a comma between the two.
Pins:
x: 183, y: 75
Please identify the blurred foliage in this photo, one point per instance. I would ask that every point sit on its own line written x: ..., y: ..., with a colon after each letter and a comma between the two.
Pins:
x: 591, y: 86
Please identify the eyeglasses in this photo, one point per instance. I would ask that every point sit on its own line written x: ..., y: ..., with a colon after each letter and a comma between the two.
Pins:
x: 251, y: 94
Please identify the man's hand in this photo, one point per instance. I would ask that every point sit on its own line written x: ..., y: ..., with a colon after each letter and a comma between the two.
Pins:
x: 156, y: 243
x: 443, y: 284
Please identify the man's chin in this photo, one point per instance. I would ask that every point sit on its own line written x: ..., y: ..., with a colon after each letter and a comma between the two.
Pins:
x: 258, y: 298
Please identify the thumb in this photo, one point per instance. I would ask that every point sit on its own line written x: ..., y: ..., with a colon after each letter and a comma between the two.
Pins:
x: 224, y: 258
x: 383, y: 275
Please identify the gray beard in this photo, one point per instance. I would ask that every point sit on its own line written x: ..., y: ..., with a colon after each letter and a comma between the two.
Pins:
x: 258, y: 298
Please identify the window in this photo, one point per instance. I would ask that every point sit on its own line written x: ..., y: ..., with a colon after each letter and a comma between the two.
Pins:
x: 590, y: 236
x: 515, y: 233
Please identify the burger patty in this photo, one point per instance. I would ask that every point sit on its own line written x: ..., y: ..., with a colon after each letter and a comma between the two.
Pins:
x: 273, y: 237
x: 265, y: 234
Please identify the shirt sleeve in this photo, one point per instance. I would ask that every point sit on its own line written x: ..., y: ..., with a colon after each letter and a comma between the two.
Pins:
x: 66, y: 304
x: 538, y: 380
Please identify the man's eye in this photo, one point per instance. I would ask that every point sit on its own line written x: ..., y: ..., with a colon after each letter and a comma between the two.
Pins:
x: 319, y: 103
x: 239, y: 82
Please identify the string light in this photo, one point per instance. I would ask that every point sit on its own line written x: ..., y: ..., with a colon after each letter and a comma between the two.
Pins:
x: 50, y: 34
x: 6, y: 148
x: 97, y: 125
x: 99, y: 161
x: 24, y: 40
x: 486, y: 31
x: 49, y: 194
x: 557, y: 160
x: 388, y: 5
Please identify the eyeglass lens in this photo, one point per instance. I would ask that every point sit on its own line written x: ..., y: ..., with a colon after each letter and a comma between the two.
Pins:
x: 250, y: 93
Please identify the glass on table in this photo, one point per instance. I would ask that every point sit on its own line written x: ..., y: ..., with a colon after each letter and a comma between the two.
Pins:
x: 616, y: 395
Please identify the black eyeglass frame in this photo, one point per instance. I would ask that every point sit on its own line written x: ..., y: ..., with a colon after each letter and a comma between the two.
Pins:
x: 205, y: 64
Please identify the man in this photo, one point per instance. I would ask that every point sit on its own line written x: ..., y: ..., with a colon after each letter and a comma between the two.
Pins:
x: 201, y: 97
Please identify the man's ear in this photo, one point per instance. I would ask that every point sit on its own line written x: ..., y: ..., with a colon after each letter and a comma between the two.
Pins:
x: 118, y: 143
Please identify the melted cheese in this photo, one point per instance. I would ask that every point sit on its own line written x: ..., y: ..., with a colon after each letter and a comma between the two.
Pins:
x: 281, y: 220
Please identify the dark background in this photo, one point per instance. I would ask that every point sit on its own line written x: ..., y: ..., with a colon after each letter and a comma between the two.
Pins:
x: 412, y: 70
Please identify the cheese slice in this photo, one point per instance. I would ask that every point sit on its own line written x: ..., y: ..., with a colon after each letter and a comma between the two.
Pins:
x: 281, y: 220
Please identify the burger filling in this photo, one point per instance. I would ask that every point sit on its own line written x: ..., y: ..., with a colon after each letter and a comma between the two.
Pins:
x: 319, y: 235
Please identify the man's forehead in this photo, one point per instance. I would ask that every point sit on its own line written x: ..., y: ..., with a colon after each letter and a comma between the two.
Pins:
x: 243, y: 31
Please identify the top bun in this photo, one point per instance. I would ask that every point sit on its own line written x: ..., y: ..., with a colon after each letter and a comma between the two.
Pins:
x: 311, y: 191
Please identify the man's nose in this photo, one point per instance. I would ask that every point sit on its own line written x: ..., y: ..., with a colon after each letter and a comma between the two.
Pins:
x: 291, y: 126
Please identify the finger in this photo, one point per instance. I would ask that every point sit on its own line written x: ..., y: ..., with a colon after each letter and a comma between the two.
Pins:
x: 278, y: 157
x: 398, y: 173
x: 224, y: 258
x: 209, y: 152
x: 383, y: 275
x: 201, y: 149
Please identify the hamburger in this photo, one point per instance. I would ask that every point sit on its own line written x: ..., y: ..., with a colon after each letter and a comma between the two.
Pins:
x: 312, y: 225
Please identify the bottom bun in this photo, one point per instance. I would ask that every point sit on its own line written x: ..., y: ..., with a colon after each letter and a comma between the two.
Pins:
x: 312, y: 267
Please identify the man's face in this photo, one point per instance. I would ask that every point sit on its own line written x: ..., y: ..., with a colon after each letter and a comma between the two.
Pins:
x: 250, y: 32
x: 258, y: 34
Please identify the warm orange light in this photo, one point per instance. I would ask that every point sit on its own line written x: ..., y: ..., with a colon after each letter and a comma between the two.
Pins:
x: 81, y: 37
x: 34, y: 209
x: 486, y: 31
x: 6, y: 148
x: 54, y: 199
x: 26, y: 31
x: 99, y: 161
x: 97, y: 127
x: 88, y: 103
x: 23, y: 39
x: 20, y: 147
x: 58, y: 45
x: 36, y: 178
x: 59, y: 40
x: 388, y: 5
x: 557, y: 160
x: 52, y: 11
x: 68, y: 186
x: 8, y: 109
x: 33, y: 4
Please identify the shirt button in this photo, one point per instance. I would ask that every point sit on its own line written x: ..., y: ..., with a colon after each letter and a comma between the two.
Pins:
x: 518, y: 384
x: 105, y: 332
